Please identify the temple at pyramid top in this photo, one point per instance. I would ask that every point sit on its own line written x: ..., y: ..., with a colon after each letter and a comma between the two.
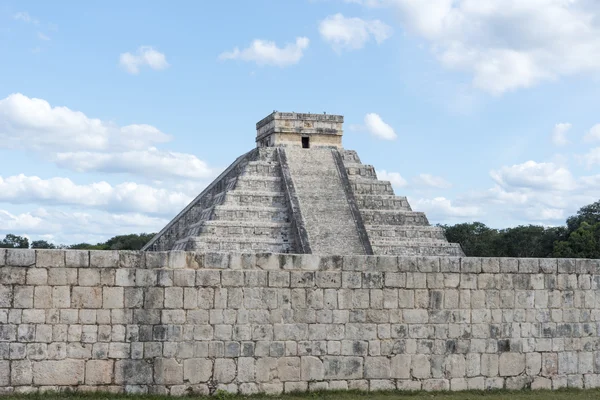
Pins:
x: 300, y: 191
x: 302, y: 130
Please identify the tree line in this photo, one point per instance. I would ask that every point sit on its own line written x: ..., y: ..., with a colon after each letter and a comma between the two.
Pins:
x: 579, y: 238
x: 121, y: 242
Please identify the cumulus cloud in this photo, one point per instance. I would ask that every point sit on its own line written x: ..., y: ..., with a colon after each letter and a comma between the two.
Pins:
x: 150, y: 162
x: 429, y: 180
x: 79, y: 226
x: 593, y: 135
x: 440, y: 208
x: 352, y: 33
x: 534, y: 175
x: 559, y: 134
x: 144, y: 56
x: 264, y: 52
x: 128, y: 196
x: 31, y: 123
x: 376, y: 127
x: 506, y: 45
x: 591, y: 158
x: 394, y: 177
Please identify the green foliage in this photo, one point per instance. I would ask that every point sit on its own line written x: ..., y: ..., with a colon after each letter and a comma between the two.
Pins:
x: 42, y: 244
x: 121, y: 242
x: 580, y: 238
x: 14, y: 242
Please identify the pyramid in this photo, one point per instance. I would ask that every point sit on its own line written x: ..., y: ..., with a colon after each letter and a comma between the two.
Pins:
x: 299, y: 191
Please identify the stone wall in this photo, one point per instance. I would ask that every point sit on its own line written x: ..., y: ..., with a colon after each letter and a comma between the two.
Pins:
x: 188, y: 322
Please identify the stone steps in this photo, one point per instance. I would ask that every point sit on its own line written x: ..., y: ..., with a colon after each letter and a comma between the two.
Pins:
x: 405, y: 232
x: 255, y: 198
x: 437, y: 249
x: 382, y: 202
x: 260, y: 229
x: 259, y: 183
x: 238, y: 244
x: 370, y: 186
x: 360, y: 170
x: 322, y: 198
x: 394, y: 217
x: 250, y: 213
x: 262, y: 168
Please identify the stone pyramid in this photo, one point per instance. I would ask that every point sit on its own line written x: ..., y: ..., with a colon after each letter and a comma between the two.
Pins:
x: 299, y: 191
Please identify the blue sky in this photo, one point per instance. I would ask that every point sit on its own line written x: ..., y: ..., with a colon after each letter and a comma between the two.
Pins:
x: 114, y: 115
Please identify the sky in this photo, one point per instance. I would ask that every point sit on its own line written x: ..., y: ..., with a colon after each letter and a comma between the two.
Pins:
x: 115, y: 115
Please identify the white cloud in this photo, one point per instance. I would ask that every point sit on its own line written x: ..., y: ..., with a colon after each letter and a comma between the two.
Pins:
x: 591, y: 158
x: 128, y: 196
x: 144, y: 56
x: 559, y: 133
x: 534, y: 175
x: 376, y: 127
x: 440, y: 208
x: 394, y: 177
x: 510, y: 44
x: 150, y: 162
x: 74, y: 227
x: 264, y: 52
x: 25, y: 17
x: 352, y: 33
x: 30, y: 123
x: 593, y: 135
x: 43, y: 37
x: 432, y: 181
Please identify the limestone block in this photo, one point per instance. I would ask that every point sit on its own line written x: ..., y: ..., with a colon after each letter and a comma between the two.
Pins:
x: 377, y: 368
x: 415, y: 316
x: 168, y: 371
x: 123, y: 277
x: 455, y: 366
x: 61, y: 373
x: 21, y: 373
x: 436, y: 384
x: 61, y: 296
x: 328, y: 279
x: 471, y: 265
x: 208, y: 278
x: 568, y: 363
x: 133, y: 372
x: 248, y: 389
x: 511, y: 364
x: 50, y: 258
x: 20, y: 258
x: 156, y: 259
x: 288, y: 368
x: 517, y: 382
x: 246, y: 369
x: 197, y: 370
x: 184, y: 277
x: 98, y: 372
x: 548, y: 265
x: 37, y: 276
x: 219, y: 261
x: 420, y: 366
x: 400, y: 366
x: 62, y: 276
x: 104, y: 258
x: 489, y: 365
x: 540, y: 383
x: 278, y: 279
x: 77, y: 258
x: 13, y: 275
x: 234, y: 278
x: 340, y: 367
x: 295, y: 387
x: 146, y: 277
x: 174, y: 297
x: 224, y: 370
x: 85, y: 297
x: 23, y: 297
x: 271, y: 389
x: 2, y: 257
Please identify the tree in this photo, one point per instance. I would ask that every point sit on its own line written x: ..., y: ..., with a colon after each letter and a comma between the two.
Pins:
x: 584, y: 242
x: 128, y: 242
x: 42, y: 244
x: 14, y: 242
x: 589, y: 214
x: 527, y: 241
x: 475, y: 238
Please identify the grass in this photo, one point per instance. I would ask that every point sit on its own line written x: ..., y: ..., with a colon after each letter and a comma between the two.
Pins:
x: 570, y: 394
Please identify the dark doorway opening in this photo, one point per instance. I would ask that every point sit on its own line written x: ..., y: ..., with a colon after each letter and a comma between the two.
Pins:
x: 305, y: 143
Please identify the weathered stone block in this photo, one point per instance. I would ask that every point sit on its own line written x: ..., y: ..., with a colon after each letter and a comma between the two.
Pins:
x: 197, y: 370
x: 77, y: 258
x: 224, y: 370
x: 20, y: 257
x: 133, y: 372
x: 98, y: 372
x: 50, y: 258
x: 511, y: 364
x: 21, y: 373
x: 61, y: 373
x: 339, y: 367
